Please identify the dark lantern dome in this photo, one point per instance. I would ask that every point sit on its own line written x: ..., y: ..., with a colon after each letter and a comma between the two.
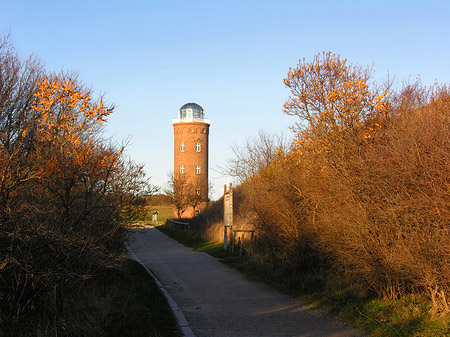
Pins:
x: 192, y: 106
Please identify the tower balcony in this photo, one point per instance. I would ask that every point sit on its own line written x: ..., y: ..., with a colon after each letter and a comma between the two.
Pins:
x: 191, y: 119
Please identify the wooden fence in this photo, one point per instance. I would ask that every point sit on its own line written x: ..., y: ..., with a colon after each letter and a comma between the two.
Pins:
x: 183, y: 226
x: 240, y: 243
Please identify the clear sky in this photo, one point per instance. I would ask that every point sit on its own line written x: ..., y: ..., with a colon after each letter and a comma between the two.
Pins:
x: 151, y: 57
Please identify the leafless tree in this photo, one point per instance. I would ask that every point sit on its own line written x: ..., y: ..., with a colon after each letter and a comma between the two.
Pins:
x: 197, y: 193
x: 253, y: 156
x: 18, y: 82
x: 179, y: 190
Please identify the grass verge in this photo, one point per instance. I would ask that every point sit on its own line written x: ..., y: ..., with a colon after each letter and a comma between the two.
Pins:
x: 144, y: 308
x: 126, y: 302
x: 404, y: 317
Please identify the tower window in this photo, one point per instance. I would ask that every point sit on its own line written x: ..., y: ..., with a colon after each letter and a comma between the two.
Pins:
x: 182, y: 169
x: 197, y: 190
x: 182, y: 147
x: 197, y: 169
x: 197, y: 147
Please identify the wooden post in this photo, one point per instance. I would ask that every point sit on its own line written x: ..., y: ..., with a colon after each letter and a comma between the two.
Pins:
x: 233, y: 239
x: 231, y: 209
x: 227, y: 214
x: 231, y: 206
x: 225, y: 239
x: 240, y: 246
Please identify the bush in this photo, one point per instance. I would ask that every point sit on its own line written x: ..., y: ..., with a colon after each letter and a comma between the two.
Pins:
x: 64, y: 192
x: 360, y: 201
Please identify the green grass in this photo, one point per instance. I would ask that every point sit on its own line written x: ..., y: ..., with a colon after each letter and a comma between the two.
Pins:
x: 187, y: 240
x: 165, y: 212
x: 200, y: 245
x: 126, y: 302
x: 407, y: 316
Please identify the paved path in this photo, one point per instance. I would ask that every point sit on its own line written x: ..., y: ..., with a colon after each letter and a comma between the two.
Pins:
x: 218, y: 301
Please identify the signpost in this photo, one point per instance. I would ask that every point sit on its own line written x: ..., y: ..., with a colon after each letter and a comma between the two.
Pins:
x: 227, y: 213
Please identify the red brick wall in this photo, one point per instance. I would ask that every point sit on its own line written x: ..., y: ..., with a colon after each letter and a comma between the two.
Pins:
x: 190, y: 134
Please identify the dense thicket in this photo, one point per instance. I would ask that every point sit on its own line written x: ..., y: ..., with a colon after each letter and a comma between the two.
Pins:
x: 64, y: 190
x: 361, y: 198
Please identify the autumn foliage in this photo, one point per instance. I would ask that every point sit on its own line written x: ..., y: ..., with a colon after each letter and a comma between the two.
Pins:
x: 65, y: 192
x: 360, y: 199
x: 331, y: 97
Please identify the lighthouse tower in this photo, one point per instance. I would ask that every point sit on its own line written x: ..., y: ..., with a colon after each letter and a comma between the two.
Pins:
x: 191, y: 131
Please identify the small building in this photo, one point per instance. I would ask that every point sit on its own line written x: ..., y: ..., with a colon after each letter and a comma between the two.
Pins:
x: 155, y: 215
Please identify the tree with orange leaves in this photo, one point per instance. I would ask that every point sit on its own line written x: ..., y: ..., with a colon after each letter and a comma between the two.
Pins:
x: 65, y: 192
x: 67, y: 111
x: 330, y: 96
x: 73, y: 162
x: 79, y: 169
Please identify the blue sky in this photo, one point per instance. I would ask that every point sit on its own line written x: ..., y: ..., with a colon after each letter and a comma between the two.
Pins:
x: 151, y: 57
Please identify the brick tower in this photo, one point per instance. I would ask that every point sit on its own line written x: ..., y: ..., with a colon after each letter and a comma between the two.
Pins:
x: 191, y: 132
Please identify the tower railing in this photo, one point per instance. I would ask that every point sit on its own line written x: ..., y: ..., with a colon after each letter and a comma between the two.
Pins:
x: 190, y: 120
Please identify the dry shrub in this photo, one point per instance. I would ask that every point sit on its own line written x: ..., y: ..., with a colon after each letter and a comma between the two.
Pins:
x: 363, y: 211
x: 209, y: 224
x: 284, y: 222
x: 63, y: 192
x: 362, y: 199
x: 377, y: 208
x: 364, y: 193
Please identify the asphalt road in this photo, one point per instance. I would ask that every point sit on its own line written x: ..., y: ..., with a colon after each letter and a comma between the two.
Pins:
x: 218, y: 301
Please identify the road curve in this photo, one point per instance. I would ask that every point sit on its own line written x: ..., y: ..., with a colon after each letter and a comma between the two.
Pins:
x: 218, y: 301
